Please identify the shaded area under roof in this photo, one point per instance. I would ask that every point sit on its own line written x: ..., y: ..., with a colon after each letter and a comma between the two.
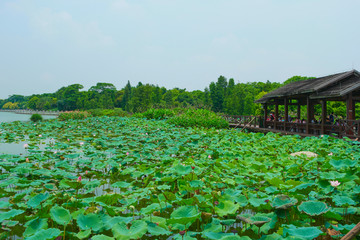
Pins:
x: 334, y: 85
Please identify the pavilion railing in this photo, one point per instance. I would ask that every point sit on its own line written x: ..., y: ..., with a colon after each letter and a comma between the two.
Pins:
x: 342, y: 128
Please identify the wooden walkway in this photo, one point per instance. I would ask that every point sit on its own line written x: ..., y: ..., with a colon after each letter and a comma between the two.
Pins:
x: 344, y: 128
x: 266, y: 130
x: 30, y: 112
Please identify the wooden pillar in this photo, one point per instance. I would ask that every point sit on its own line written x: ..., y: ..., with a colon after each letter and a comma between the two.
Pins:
x: 350, y: 113
x: 299, y: 111
x: 350, y: 108
x: 323, y: 116
x: 308, y: 115
x: 286, y: 114
x: 265, y: 114
x: 276, y: 117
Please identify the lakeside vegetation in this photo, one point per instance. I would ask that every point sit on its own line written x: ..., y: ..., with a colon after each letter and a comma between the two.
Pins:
x: 130, y: 178
x: 224, y: 96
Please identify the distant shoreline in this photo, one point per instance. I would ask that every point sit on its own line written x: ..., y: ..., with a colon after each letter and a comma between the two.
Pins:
x: 30, y: 112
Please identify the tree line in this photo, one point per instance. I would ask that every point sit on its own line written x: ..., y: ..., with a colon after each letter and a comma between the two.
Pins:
x: 223, y: 95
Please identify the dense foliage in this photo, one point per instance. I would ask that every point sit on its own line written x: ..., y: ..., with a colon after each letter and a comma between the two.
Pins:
x: 221, y: 96
x: 36, y: 117
x: 130, y: 178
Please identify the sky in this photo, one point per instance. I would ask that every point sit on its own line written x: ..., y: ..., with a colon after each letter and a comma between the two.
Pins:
x: 45, y: 45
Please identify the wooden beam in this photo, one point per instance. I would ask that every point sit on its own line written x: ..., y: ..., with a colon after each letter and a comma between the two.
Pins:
x: 352, y: 233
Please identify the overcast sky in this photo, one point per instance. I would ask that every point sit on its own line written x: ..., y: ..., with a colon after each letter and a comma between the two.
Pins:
x: 45, y: 45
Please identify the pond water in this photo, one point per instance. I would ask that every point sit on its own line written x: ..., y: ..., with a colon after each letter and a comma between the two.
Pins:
x: 15, y: 148
x: 10, y: 117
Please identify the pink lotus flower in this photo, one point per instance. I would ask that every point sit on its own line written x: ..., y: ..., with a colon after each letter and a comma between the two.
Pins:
x: 330, y: 154
x: 79, y: 179
x: 127, y: 153
x: 40, y: 135
x: 86, y: 172
x: 27, y: 160
x: 335, y: 183
x: 209, y: 156
x: 68, y: 139
x: 81, y: 143
x: 26, y: 145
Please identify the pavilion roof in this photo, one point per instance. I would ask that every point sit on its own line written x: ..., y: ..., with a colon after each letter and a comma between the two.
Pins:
x: 330, y: 86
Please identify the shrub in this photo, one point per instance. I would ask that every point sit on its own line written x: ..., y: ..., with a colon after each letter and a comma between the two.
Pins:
x: 73, y: 115
x: 199, y: 118
x: 36, y: 117
x: 118, y: 112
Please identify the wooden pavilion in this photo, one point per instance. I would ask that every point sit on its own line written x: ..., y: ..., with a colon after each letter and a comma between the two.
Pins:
x: 344, y: 87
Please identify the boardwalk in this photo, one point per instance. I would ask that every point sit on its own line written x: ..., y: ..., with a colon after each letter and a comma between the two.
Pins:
x: 30, y: 112
x: 345, y: 128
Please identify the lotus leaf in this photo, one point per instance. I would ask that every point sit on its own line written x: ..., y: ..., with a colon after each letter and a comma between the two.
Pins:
x: 60, y: 215
x: 302, y: 232
x: 342, y: 163
x: 283, y: 202
x: 156, y: 230
x: 184, y: 215
x: 137, y: 230
x: 226, y: 208
x: 102, y: 237
x: 10, y: 214
x: 83, y: 234
x: 49, y: 233
x: 36, y: 200
x: 343, y: 201
x: 216, y: 235
x: 90, y: 221
x: 313, y: 208
x: 34, y: 226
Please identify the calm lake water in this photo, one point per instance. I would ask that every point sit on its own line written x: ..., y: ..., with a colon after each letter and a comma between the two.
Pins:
x: 15, y: 148
x: 10, y: 117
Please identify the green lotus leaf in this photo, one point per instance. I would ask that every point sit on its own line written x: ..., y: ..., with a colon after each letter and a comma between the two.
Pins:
x: 36, y: 200
x: 121, y: 185
x: 241, y: 200
x: 182, y: 170
x: 10, y: 214
x: 43, y: 234
x: 185, y: 237
x: 302, y: 232
x: 259, y: 220
x: 156, y: 230
x: 273, y: 236
x: 342, y: 163
x: 313, y: 208
x: 235, y: 237
x: 216, y: 235
x: 34, y: 226
x: 5, y: 204
x: 108, y: 199
x: 283, y: 202
x: 137, y: 230
x: 303, y: 188
x: 60, y: 215
x: 102, y: 237
x: 257, y: 202
x: 90, y: 221
x: 332, y: 175
x: 227, y: 222
x: 226, y: 207
x: 184, y: 215
x: 83, y: 234
x: 343, y: 201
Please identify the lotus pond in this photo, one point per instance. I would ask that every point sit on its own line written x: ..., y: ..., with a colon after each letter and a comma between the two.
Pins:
x: 130, y: 178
